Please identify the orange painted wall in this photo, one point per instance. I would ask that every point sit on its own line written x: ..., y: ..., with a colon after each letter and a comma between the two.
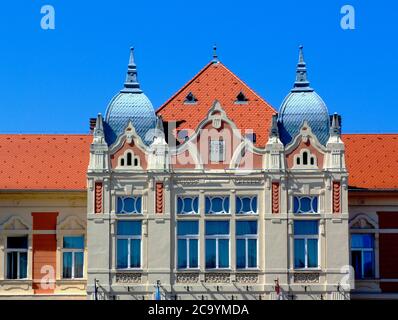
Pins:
x: 44, y: 252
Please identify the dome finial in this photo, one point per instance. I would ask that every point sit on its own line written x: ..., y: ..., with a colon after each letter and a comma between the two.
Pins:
x: 215, y: 56
x: 131, y: 84
x: 302, y: 84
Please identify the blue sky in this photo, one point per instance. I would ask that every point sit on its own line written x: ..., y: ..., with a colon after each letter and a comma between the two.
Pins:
x: 53, y: 81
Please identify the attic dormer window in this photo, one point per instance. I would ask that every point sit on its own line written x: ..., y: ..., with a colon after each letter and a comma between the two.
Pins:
x: 190, y: 98
x: 241, y: 98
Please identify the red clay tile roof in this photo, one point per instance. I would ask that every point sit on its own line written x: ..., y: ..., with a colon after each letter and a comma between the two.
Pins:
x: 44, y: 162
x: 213, y: 82
x: 372, y: 160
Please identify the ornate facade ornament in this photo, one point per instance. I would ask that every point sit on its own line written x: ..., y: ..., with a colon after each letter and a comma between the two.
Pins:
x: 128, y: 278
x: 248, y: 181
x: 246, y: 278
x: 187, y: 278
x: 306, y: 277
x: 217, y: 277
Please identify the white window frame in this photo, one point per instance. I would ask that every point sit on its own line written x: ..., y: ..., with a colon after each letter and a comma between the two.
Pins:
x: 129, y: 238
x: 73, y: 251
x: 211, y: 197
x: 251, y: 197
x: 18, y: 251
x: 362, y: 250
x: 247, y: 237
x: 217, y: 238
x: 306, y: 238
x: 188, y: 238
x: 182, y: 197
x: 219, y: 156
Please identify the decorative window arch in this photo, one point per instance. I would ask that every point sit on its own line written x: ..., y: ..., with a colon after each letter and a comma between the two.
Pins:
x: 363, y: 221
x: 305, y: 160
x: 129, y: 160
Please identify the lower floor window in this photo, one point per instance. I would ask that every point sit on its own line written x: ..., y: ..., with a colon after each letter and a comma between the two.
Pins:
x: 306, y: 244
x: 246, y: 244
x: 73, y: 257
x: 17, y: 257
x: 217, y: 244
x: 187, y: 243
x: 128, y: 244
x: 362, y: 255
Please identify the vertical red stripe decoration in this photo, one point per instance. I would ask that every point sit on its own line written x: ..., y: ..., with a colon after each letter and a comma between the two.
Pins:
x: 159, y: 198
x: 275, y: 197
x: 336, y: 197
x: 98, y: 197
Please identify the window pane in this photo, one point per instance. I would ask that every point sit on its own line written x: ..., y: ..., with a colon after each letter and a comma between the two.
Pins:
x: 296, y: 205
x: 314, y: 204
x: 187, y: 228
x: 138, y: 204
x: 17, y: 242
x: 129, y: 205
x: 122, y: 253
x: 246, y: 205
x: 193, y: 253
x: 12, y: 265
x: 67, y: 265
x: 223, y: 253
x: 312, y: 247
x: 182, y: 253
x: 119, y: 205
x: 23, y: 265
x: 362, y: 241
x: 305, y: 204
x: 79, y: 258
x: 74, y: 242
x: 240, y: 254
x: 299, y: 253
x: 246, y: 227
x: 126, y: 228
x: 368, y: 264
x: 135, y: 253
x: 356, y: 260
x: 217, y: 227
x: 210, y: 253
x: 217, y: 205
x: 252, y: 253
x: 306, y: 227
x: 180, y: 205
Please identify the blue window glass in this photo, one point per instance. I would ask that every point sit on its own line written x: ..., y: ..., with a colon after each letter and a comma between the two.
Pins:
x: 74, y: 242
x: 17, y: 242
x: 305, y: 204
x: 187, y: 228
x: 187, y: 205
x: 187, y: 243
x: 308, y: 227
x: 312, y: 253
x: 122, y: 253
x: 246, y: 227
x: 241, y: 253
x: 299, y: 253
x: 217, y: 205
x: 129, y: 228
x: 217, y: 228
x: 129, y: 205
x: 78, y: 265
x: 67, y: 265
x: 211, y: 260
x: 135, y: 253
x: 362, y: 255
x: 223, y: 253
x: 182, y: 253
x: 246, y: 205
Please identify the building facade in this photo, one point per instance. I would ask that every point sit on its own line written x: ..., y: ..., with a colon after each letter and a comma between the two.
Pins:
x: 216, y: 195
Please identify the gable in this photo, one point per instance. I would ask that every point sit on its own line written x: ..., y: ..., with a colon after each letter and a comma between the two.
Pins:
x: 216, y: 82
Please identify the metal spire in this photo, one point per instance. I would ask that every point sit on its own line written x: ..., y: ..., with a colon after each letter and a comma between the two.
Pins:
x: 335, y: 129
x: 215, y: 56
x: 131, y: 85
x: 274, y: 132
x: 302, y: 84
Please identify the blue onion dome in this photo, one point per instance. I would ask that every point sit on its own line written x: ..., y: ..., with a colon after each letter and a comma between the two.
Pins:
x: 303, y: 104
x: 130, y: 104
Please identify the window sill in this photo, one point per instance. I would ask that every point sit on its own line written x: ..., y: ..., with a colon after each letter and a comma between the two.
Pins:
x: 248, y: 270
x: 188, y: 215
x: 217, y: 214
x: 307, y: 270
x: 190, y: 270
x: 131, y: 270
x: 218, y: 270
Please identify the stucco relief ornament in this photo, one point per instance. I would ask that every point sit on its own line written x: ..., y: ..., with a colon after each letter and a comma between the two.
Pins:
x: 247, y: 278
x: 128, y: 278
x: 306, y: 277
x: 187, y: 278
x: 217, y: 277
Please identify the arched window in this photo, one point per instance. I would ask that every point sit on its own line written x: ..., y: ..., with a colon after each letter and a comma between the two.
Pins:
x: 136, y: 162
x: 305, y: 158
x: 129, y: 159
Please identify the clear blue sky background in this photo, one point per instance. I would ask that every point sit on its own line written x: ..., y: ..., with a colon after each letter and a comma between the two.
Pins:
x: 54, y: 81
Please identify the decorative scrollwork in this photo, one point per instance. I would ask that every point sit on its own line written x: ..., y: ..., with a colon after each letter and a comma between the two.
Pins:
x: 246, y: 278
x: 217, y: 278
x: 306, y: 277
x: 187, y: 277
x: 128, y: 278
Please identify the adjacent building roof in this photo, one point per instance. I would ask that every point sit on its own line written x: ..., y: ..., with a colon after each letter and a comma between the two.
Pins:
x: 190, y: 105
x: 372, y: 161
x: 44, y: 161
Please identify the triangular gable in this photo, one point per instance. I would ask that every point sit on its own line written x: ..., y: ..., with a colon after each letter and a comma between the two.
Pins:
x: 217, y: 82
